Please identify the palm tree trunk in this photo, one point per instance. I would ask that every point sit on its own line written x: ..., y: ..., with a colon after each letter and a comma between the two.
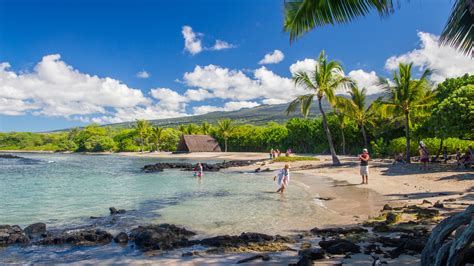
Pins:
x: 407, y: 136
x: 364, y: 136
x: 439, y: 149
x: 335, y: 160
x: 225, y: 145
x: 343, y: 141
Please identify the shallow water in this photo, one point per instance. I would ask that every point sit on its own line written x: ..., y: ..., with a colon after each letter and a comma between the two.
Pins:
x: 65, y: 190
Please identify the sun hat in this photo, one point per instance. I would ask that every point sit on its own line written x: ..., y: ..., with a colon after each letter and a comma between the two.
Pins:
x: 365, y: 150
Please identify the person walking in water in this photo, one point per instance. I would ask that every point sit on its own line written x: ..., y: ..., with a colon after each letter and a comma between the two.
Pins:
x: 283, y: 178
x: 198, y: 171
x: 364, y: 166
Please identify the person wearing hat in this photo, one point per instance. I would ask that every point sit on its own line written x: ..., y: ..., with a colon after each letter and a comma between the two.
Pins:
x: 364, y: 166
x: 283, y: 178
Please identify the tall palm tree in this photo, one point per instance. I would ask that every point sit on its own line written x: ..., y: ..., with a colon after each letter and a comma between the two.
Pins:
x: 225, y: 128
x: 302, y: 16
x: 342, y: 119
x: 322, y: 82
x: 406, y: 96
x: 142, y: 127
x: 355, y: 108
x: 156, y: 136
x: 205, y: 128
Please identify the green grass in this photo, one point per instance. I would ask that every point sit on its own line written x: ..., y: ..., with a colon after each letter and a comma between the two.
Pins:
x: 294, y: 159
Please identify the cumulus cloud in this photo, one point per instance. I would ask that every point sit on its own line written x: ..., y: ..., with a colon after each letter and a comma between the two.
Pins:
x: 193, y: 42
x: 143, y: 74
x: 367, y: 80
x: 198, y: 95
x: 221, y: 45
x: 229, y: 106
x: 272, y: 58
x: 445, y: 61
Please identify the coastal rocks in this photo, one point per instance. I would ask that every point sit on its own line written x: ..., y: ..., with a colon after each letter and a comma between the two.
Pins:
x: 243, y: 239
x: 10, y: 235
x: 338, y: 231
x: 312, y: 253
x: 89, y: 237
x: 10, y: 156
x: 339, y: 246
x: 159, y: 167
x: 114, y: 211
x: 256, y: 257
x: 35, y: 229
x: 403, y: 244
x: 161, y: 237
x: 121, y: 238
x: 393, y: 218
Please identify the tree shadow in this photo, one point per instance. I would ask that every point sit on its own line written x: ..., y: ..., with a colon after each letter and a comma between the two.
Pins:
x: 458, y: 177
x: 415, y: 168
x: 422, y: 195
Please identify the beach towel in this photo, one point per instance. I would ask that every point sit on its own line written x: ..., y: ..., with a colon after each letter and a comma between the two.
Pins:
x: 283, y: 177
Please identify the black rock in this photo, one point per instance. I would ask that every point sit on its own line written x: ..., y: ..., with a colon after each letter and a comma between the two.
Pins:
x: 121, y: 238
x: 339, y: 246
x: 338, y: 231
x: 10, y: 235
x: 10, y: 156
x: 256, y: 257
x: 36, y: 229
x: 88, y: 237
x: 161, y: 237
x: 387, y: 207
x: 158, y: 167
x: 114, y: 211
x: 438, y: 205
x: 312, y: 253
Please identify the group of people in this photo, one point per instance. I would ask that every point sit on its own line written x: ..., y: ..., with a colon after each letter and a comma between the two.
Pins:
x: 274, y: 153
x: 461, y: 159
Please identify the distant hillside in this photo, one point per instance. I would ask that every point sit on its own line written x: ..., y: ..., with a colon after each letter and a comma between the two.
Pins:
x: 259, y: 115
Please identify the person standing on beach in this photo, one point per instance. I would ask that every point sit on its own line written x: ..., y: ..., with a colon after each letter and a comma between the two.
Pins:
x: 364, y: 166
x: 424, y: 155
x: 283, y: 178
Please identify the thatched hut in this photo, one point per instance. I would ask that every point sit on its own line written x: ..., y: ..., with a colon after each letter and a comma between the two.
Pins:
x: 198, y: 143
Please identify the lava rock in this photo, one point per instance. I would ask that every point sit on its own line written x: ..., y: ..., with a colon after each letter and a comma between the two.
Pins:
x: 161, y: 237
x: 159, y: 167
x: 9, y: 156
x: 339, y: 246
x: 36, y: 229
x: 387, y: 207
x: 12, y: 234
x: 114, y: 211
x: 121, y: 238
x: 312, y: 253
x: 438, y: 205
x: 88, y: 237
x: 338, y: 231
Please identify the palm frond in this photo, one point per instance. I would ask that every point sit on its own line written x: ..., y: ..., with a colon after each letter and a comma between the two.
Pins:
x: 303, y: 102
x: 459, y: 31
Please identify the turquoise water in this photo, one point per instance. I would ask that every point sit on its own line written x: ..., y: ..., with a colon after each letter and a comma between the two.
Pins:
x: 64, y: 190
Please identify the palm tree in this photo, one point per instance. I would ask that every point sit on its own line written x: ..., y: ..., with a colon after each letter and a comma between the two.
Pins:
x: 302, y: 16
x: 225, y: 128
x: 205, y: 128
x: 322, y: 82
x: 355, y: 108
x: 182, y: 128
x: 142, y: 127
x: 342, y: 119
x: 156, y: 136
x: 406, y: 97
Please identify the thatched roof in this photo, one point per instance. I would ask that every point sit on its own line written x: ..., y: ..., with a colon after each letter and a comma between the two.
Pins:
x: 198, y: 143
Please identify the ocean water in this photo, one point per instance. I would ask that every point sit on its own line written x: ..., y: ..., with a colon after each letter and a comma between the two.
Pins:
x: 65, y: 190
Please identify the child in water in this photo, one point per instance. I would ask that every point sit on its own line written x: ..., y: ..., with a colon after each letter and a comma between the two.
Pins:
x: 283, y: 178
x: 198, y: 171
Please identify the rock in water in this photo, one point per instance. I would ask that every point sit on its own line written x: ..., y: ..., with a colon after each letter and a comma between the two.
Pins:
x: 121, y: 238
x: 160, y: 237
x: 35, y: 229
x: 10, y: 235
x: 114, y: 211
x: 87, y: 237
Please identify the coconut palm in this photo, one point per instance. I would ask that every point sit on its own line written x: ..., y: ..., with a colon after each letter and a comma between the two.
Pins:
x: 205, y: 128
x: 156, y: 136
x: 342, y: 119
x: 225, y: 127
x: 355, y: 108
x: 406, y: 96
x: 322, y: 82
x: 142, y: 127
x: 302, y: 16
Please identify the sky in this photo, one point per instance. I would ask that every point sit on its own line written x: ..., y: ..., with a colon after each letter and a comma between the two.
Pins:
x: 71, y: 63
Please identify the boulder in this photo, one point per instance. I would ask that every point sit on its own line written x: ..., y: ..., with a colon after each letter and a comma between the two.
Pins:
x: 393, y: 218
x: 12, y: 234
x: 35, y: 230
x: 387, y: 207
x: 88, y: 237
x: 121, y: 238
x: 312, y: 253
x: 114, y: 211
x: 161, y: 237
x: 339, y: 246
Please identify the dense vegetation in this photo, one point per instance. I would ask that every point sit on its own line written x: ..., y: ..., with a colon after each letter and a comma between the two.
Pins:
x: 449, y: 122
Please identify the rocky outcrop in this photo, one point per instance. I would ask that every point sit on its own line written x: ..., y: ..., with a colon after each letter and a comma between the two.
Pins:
x: 114, y: 211
x: 121, y: 238
x: 338, y: 231
x: 12, y: 234
x: 339, y: 246
x: 242, y: 239
x: 35, y: 230
x: 159, y: 167
x: 161, y: 237
x: 10, y: 156
x: 88, y: 237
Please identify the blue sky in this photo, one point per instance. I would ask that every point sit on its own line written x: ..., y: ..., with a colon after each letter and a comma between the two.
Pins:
x: 71, y: 63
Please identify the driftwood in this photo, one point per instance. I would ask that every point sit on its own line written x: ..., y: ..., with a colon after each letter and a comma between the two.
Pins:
x: 439, y: 250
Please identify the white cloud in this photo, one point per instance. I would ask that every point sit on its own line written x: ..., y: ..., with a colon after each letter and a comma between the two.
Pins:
x: 306, y: 65
x: 54, y: 88
x: 229, y: 106
x: 368, y: 80
x: 192, y: 41
x: 221, y: 45
x: 198, y: 95
x: 272, y: 58
x: 143, y: 74
x: 445, y: 61
x: 169, y: 99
